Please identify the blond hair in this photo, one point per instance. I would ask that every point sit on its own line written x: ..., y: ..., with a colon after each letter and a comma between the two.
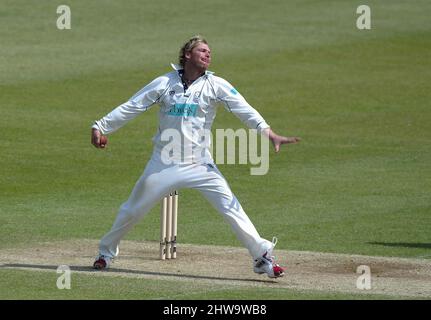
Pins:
x: 189, y: 46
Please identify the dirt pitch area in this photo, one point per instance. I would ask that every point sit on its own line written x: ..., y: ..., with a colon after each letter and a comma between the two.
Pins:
x: 231, y: 266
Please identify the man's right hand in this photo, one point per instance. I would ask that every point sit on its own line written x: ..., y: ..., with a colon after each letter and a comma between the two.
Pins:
x: 95, y: 138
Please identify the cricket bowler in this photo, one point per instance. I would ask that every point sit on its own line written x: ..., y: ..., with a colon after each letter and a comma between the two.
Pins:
x: 187, y: 98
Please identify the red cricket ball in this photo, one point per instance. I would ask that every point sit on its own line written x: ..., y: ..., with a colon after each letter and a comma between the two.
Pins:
x: 103, y: 141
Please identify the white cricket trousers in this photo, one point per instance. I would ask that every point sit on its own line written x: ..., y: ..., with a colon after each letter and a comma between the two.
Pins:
x: 159, y: 179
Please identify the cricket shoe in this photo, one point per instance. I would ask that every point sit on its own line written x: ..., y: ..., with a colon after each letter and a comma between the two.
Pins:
x: 102, y: 262
x: 266, y: 263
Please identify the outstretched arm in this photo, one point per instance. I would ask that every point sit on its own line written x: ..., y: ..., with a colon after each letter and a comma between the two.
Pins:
x: 236, y: 104
x: 127, y: 111
x: 278, y: 140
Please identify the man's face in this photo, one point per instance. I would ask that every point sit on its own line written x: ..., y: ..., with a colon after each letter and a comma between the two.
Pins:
x: 200, y: 56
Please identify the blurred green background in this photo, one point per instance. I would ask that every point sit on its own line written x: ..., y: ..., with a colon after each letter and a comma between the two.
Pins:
x: 359, y: 182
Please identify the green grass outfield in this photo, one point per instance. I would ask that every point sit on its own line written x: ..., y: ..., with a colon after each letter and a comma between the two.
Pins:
x: 358, y: 183
x: 38, y: 285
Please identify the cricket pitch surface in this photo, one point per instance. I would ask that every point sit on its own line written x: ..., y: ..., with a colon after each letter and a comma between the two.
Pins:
x: 232, y: 267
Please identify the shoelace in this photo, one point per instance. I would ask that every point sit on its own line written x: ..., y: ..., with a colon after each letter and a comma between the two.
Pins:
x: 274, y: 241
x: 269, y: 252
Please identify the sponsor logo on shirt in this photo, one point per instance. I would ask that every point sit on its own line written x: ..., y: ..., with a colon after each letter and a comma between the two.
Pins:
x: 183, y: 109
x: 233, y: 91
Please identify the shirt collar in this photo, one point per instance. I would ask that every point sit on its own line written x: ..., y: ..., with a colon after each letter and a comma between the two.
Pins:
x: 179, y: 68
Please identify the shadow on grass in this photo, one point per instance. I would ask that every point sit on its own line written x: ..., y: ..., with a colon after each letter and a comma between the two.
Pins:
x: 129, y: 271
x: 403, y: 244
